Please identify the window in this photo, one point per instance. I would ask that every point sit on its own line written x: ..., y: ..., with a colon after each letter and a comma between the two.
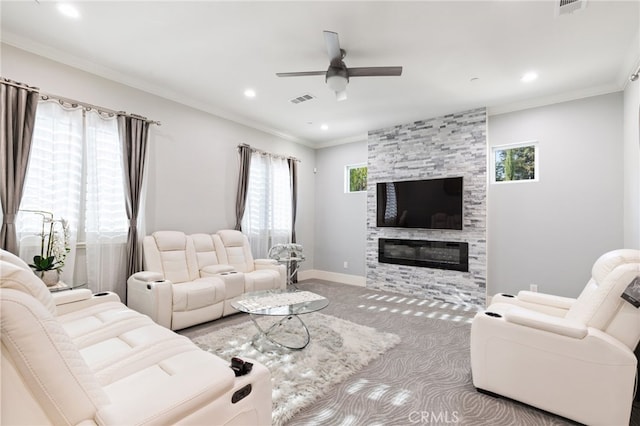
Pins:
x: 75, y: 171
x: 355, y: 178
x: 267, y: 216
x: 515, y: 162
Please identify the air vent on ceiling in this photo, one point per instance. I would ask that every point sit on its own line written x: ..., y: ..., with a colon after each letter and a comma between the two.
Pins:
x: 304, y: 98
x: 565, y: 7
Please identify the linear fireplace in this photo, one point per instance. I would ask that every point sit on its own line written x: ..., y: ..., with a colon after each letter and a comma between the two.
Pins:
x: 450, y: 255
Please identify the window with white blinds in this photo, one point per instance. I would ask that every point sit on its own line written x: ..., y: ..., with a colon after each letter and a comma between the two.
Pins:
x: 75, y: 171
x: 267, y: 216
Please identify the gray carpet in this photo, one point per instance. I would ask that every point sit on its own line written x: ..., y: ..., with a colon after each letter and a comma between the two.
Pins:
x: 426, y: 379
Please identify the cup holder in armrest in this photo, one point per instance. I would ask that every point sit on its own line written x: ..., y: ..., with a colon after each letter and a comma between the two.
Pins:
x: 154, y: 282
x: 507, y: 295
x: 493, y: 314
x: 102, y: 293
x: 228, y: 272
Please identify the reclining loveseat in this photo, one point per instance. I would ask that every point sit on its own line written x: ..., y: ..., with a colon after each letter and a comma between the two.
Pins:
x: 76, y: 358
x: 191, y: 279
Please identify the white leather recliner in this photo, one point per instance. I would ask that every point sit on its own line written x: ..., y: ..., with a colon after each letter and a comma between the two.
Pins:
x: 171, y: 290
x: 191, y: 279
x: 571, y: 357
x: 76, y: 358
x: 260, y: 274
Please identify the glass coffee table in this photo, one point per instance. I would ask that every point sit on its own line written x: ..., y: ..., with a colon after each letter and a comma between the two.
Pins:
x: 285, y: 303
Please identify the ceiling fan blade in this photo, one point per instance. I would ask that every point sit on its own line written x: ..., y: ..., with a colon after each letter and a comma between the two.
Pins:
x: 374, y: 71
x: 341, y: 96
x: 300, y: 74
x: 333, y: 46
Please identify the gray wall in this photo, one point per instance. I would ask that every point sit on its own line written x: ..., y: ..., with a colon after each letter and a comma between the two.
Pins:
x: 550, y: 232
x: 193, y: 167
x: 194, y: 153
x: 632, y: 165
x: 537, y: 234
x: 340, y: 228
x: 451, y: 145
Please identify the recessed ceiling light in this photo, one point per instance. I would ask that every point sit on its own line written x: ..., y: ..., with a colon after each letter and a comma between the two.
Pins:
x: 68, y: 10
x: 324, y: 127
x: 250, y: 93
x: 530, y: 76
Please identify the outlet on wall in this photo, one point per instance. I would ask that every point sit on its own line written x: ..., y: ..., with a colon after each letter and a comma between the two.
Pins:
x: 533, y: 287
x: 346, y: 264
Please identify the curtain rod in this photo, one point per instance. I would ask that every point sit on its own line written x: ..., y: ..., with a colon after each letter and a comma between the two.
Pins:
x: 268, y: 153
x: 635, y: 75
x: 19, y: 85
x: 46, y: 96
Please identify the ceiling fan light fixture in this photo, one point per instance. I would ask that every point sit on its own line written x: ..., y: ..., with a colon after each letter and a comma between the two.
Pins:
x: 337, y: 83
x: 341, y: 96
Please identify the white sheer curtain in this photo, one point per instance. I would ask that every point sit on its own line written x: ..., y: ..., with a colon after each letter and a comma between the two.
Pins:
x: 75, y: 171
x: 106, y: 222
x: 267, y: 215
x: 53, y: 180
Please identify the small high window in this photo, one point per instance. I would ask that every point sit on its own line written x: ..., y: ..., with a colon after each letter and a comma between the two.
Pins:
x: 355, y: 178
x: 515, y: 162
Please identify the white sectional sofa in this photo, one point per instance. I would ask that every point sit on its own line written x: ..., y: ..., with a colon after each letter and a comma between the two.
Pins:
x: 77, y: 358
x: 191, y: 279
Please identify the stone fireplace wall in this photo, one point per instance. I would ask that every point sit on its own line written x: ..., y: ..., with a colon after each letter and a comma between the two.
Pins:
x: 452, y: 145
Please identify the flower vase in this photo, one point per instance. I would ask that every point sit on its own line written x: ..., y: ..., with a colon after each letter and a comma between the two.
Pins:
x: 50, y: 277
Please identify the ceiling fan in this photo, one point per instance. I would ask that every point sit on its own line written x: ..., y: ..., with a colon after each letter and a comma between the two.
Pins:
x: 337, y: 75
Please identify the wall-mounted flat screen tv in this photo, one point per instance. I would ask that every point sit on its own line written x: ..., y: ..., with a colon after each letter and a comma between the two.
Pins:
x: 428, y: 203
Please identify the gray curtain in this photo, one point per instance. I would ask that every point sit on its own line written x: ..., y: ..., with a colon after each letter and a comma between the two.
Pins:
x: 134, y: 135
x: 293, y: 174
x: 244, y: 152
x: 17, y: 120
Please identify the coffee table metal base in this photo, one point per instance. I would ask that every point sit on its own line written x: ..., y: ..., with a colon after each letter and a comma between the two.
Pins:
x: 266, y: 334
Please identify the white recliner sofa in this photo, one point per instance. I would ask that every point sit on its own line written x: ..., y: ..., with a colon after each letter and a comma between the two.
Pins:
x: 191, y: 279
x: 77, y: 358
x: 571, y: 357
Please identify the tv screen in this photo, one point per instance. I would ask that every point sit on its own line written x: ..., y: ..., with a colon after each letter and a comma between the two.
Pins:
x: 430, y: 203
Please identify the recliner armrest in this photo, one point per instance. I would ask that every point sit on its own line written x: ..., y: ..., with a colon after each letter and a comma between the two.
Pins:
x: 151, y: 297
x: 275, y: 266
x: 74, y: 300
x: 64, y: 297
x: 545, y: 322
x: 546, y: 299
x: 147, y: 276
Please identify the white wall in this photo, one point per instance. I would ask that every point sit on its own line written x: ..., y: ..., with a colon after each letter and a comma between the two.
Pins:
x: 340, y: 217
x: 632, y: 165
x: 550, y: 232
x: 193, y: 168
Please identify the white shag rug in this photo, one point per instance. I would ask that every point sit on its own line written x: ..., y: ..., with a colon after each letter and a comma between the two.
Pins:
x: 338, y: 349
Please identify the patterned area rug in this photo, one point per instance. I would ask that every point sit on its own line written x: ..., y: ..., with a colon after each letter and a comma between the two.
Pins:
x: 338, y: 349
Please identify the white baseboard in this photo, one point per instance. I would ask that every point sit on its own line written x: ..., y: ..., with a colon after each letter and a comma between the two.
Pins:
x: 356, y: 280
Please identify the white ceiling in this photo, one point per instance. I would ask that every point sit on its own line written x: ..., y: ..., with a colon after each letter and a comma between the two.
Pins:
x: 206, y: 53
